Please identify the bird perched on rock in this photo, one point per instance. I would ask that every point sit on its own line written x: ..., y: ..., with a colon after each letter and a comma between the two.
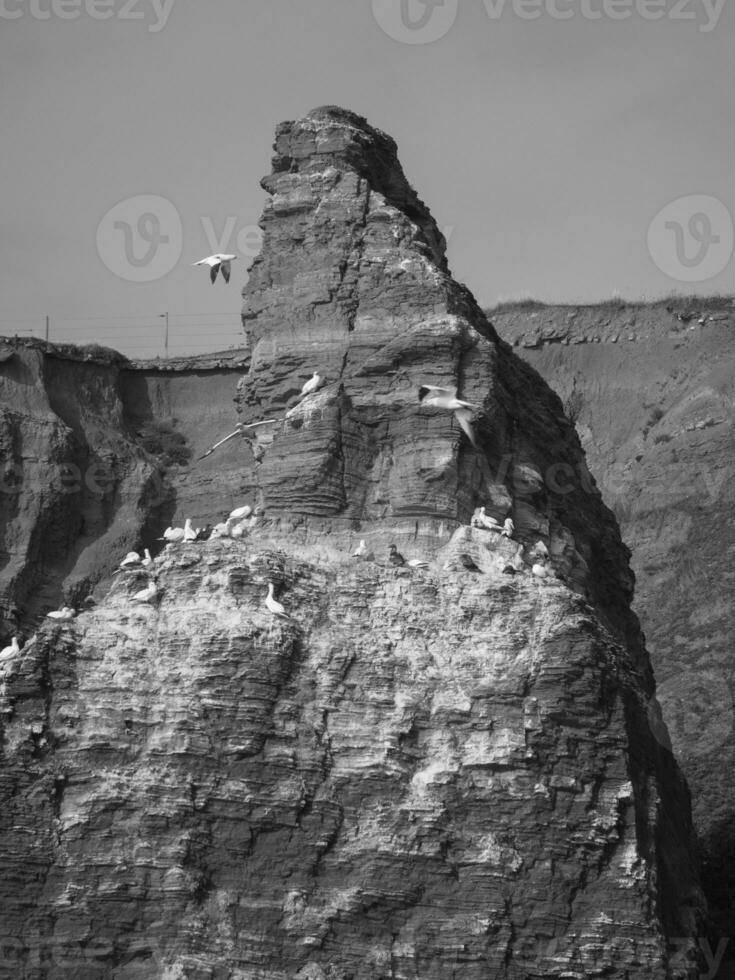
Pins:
x: 146, y: 561
x: 417, y: 563
x: 240, y: 513
x: 362, y: 551
x: 447, y: 398
x: 468, y: 562
x: 8, y: 653
x: 489, y: 523
x: 273, y: 606
x: 539, y: 570
x: 132, y: 558
x: 216, y: 263
x: 190, y: 533
x: 395, y: 557
x: 311, y: 385
x: 173, y: 534
x: 63, y: 615
x: 148, y: 594
x: 508, y: 528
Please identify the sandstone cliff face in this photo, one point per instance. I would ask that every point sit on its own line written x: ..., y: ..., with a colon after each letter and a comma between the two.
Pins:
x: 666, y: 467
x: 427, y: 773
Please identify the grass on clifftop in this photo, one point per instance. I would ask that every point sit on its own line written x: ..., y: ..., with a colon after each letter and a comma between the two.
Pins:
x: 673, y: 302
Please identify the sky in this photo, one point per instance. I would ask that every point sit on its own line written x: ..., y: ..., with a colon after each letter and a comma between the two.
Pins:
x: 570, y: 150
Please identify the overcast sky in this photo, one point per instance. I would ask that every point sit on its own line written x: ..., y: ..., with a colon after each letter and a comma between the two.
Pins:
x: 545, y: 147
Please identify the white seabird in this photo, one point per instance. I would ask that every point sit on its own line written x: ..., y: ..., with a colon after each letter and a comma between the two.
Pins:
x: 311, y: 385
x: 190, y: 533
x: 8, y: 653
x: 488, y: 522
x: 272, y: 604
x: 508, y: 528
x: 447, y: 398
x: 240, y: 513
x: 64, y: 614
x: 173, y: 534
x: 417, y: 563
x: 148, y: 594
x: 215, y: 263
x: 132, y: 558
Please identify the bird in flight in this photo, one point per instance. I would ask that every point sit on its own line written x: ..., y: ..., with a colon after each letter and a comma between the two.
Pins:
x: 447, y: 398
x: 216, y: 263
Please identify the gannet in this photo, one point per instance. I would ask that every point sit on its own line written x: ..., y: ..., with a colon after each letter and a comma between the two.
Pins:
x: 132, y: 558
x: 362, y: 551
x: 172, y: 534
x: 9, y: 652
x: 417, y: 563
x: 488, y: 522
x: 190, y: 533
x: 146, y: 561
x: 540, y: 571
x: 311, y: 385
x: 447, y: 398
x: 508, y: 528
x: 272, y: 604
x: 395, y: 557
x: 215, y: 263
x: 148, y: 594
x: 239, y: 513
x: 65, y: 613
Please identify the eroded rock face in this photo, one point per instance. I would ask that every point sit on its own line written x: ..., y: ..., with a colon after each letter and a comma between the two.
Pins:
x: 421, y: 773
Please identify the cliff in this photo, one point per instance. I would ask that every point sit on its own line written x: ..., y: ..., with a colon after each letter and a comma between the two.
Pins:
x: 421, y: 772
x: 665, y: 466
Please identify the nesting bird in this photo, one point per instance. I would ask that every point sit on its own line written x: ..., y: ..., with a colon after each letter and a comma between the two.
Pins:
x: 190, y: 533
x: 148, y: 594
x: 508, y: 528
x: 417, y: 563
x: 8, y: 653
x: 240, y: 513
x: 132, y: 558
x: 311, y: 385
x: 489, y: 523
x: 447, y: 398
x: 273, y: 605
x: 173, y: 534
x: 217, y: 263
x: 395, y: 557
x: 63, y: 615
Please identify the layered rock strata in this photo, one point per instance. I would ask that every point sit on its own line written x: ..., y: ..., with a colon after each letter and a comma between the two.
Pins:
x: 458, y: 769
